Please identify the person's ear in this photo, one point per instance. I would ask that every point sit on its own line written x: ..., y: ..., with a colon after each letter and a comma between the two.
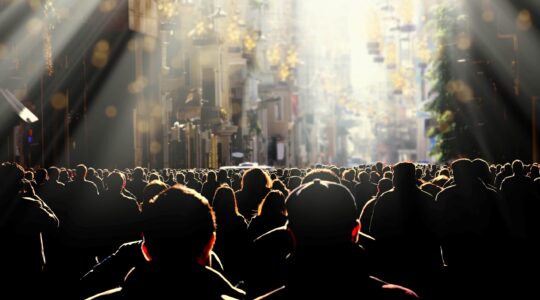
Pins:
x: 355, y: 231
x: 204, y: 258
x: 293, y: 236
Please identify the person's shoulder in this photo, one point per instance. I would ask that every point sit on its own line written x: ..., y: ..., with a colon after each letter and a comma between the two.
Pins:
x: 385, y: 290
x: 218, y: 281
x: 446, y: 192
x: 111, y: 294
x: 425, y: 195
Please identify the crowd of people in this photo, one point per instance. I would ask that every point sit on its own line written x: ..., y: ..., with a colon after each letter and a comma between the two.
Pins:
x: 403, y: 231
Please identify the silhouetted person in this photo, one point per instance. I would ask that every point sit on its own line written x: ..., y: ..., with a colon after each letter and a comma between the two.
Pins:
x: 192, y: 182
x: 481, y: 169
x: 137, y: 184
x: 326, y: 262
x: 210, y: 186
x: 255, y: 185
x: 22, y: 222
x: 403, y: 227
x: 506, y: 171
x: 233, y: 243
x: 179, y: 234
x: 79, y: 226
x: 222, y: 178
x: 119, y: 215
x: 366, y: 212
x: 347, y: 179
x: 521, y: 199
x: 271, y: 214
x: 472, y: 232
x: 364, y: 190
x: 277, y: 184
x: 93, y: 176
x: 51, y: 191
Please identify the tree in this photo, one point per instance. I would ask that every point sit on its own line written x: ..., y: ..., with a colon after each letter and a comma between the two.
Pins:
x: 446, y: 87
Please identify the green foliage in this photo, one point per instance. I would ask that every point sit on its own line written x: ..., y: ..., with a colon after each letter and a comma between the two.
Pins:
x: 444, y: 19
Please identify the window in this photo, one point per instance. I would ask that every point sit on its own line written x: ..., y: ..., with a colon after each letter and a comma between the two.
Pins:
x: 278, y: 110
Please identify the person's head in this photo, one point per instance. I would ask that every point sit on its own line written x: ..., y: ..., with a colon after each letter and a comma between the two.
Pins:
x: 153, y: 188
x: 115, y: 182
x: 321, y: 174
x: 154, y: 176
x: 29, y: 175
x: 294, y: 182
x: 11, y: 181
x: 54, y: 173
x: 42, y: 176
x: 383, y: 186
x: 481, y: 169
x: 404, y: 175
x: 63, y: 176
x: 379, y: 167
x: 440, y: 180
x: 363, y: 177
x: 255, y: 180
x: 374, y: 177
x: 280, y: 186
x: 418, y: 173
x: 81, y: 172
x: 534, y: 171
x: 272, y: 205
x: 349, y: 175
x: 222, y: 176
x: 138, y: 174
x: 507, y: 168
x: 322, y: 213
x: 178, y: 225
x: 444, y: 172
x: 211, y: 177
x: 463, y: 171
x: 92, y: 173
x: 295, y: 172
x: 517, y: 167
x: 224, y: 203
x: 180, y: 178
x: 190, y: 175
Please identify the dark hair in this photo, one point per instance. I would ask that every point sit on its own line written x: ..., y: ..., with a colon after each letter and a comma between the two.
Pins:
x: 321, y: 212
x: 322, y: 174
x: 280, y: 186
x: 349, y: 174
x: 11, y: 175
x: 116, y: 181
x: 404, y: 175
x: 152, y: 189
x: 273, y: 204
x: 224, y: 202
x: 178, y: 222
x: 81, y: 171
x: 255, y: 179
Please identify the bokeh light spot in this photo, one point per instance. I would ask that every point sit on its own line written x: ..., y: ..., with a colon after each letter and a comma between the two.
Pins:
x: 524, y: 20
x: 59, y: 101
x: 155, y: 147
x: 111, y: 111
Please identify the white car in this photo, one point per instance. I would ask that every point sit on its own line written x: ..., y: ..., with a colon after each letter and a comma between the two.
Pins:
x: 247, y: 166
